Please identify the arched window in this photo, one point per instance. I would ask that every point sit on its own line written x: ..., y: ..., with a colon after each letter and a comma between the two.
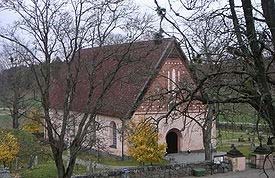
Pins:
x: 113, y: 134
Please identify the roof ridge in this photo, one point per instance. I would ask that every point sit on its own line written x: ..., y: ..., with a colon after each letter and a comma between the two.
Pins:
x: 128, y: 43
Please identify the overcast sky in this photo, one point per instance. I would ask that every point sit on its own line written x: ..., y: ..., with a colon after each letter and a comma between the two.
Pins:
x: 145, y: 5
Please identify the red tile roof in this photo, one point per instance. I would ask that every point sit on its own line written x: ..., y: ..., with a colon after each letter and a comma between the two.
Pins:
x: 132, y: 66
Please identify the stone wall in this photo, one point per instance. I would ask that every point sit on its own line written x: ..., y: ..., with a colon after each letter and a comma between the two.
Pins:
x: 176, y: 170
x: 4, y: 173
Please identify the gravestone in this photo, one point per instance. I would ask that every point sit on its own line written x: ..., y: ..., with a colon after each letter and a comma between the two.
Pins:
x: 236, y: 158
x: 262, y: 158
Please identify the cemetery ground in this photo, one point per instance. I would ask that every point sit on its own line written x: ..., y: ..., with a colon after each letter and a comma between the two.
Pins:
x: 43, y: 166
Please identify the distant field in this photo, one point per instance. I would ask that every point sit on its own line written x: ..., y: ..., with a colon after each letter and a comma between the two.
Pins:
x: 237, y: 118
x: 5, y: 119
x: 237, y: 113
x: 242, y: 140
x: 234, y: 136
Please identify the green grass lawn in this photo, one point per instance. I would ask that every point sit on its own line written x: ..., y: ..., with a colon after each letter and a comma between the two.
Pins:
x: 107, y: 160
x: 242, y: 141
x: 5, y: 117
x: 237, y: 113
x: 128, y: 162
x: 45, y: 170
x: 225, y: 136
x: 5, y: 121
x: 113, y: 161
x: 245, y: 149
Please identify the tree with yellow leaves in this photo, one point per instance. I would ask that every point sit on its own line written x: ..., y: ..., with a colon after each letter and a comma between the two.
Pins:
x: 143, y: 143
x: 9, y: 147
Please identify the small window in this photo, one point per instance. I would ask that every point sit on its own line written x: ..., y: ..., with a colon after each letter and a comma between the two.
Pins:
x: 113, y: 134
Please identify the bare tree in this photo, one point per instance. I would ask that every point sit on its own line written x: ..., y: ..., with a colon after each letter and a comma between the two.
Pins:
x: 206, y: 38
x: 225, y: 68
x: 208, y: 51
x: 61, y: 29
x: 245, y: 73
x: 16, y: 84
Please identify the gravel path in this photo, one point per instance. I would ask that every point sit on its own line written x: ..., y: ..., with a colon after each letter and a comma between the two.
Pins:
x: 248, y: 173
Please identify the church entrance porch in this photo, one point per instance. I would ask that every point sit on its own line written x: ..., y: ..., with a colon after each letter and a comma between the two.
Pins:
x: 172, y: 141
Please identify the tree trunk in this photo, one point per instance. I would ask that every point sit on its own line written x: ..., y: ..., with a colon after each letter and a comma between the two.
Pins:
x: 207, y: 133
x: 70, y: 168
x: 264, y: 105
x: 15, y: 109
x: 207, y: 144
x: 59, y: 162
x: 268, y: 7
x: 15, y: 120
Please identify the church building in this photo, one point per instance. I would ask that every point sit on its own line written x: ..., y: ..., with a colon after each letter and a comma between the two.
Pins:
x: 143, y: 79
